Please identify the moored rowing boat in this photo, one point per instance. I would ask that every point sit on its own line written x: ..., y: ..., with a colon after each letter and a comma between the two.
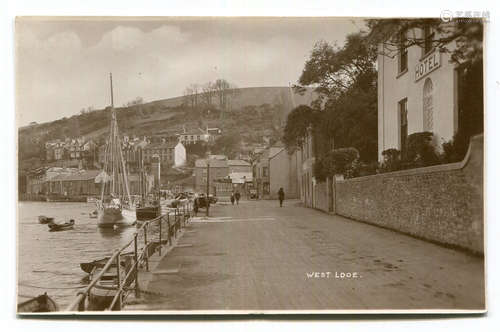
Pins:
x: 42, y: 303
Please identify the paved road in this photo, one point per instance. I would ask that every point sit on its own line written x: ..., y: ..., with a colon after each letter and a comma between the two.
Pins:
x: 257, y: 256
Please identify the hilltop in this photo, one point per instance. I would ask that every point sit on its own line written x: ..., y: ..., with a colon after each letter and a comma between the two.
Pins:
x: 252, y: 114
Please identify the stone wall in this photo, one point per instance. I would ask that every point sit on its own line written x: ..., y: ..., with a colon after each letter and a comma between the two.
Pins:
x: 442, y: 203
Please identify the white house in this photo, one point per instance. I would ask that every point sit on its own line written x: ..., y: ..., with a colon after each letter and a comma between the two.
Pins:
x: 179, y: 155
x: 418, y: 90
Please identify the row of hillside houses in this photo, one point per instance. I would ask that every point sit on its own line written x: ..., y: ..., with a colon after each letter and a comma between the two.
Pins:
x: 206, y: 135
x: 68, y: 149
x: 170, y: 153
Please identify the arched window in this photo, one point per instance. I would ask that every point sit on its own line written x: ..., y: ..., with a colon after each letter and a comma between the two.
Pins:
x: 428, y: 106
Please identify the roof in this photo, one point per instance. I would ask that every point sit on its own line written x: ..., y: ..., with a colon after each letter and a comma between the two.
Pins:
x: 238, y: 162
x: 213, y: 163
x: 273, y: 151
x: 217, y: 156
x: 163, y: 145
x: 197, y: 131
x: 78, y: 176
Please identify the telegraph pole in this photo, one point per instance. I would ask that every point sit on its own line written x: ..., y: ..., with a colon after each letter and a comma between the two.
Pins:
x: 208, y: 186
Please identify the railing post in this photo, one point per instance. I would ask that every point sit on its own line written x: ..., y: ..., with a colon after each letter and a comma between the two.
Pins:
x: 175, y: 222
x: 118, y: 281
x: 168, y: 230
x: 81, y: 304
x: 146, y: 249
x: 159, y: 248
x: 184, y: 215
x: 136, y: 267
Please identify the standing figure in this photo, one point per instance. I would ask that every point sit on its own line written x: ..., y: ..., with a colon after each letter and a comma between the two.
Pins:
x: 232, y: 198
x: 237, y: 197
x: 196, y: 206
x: 281, y: 196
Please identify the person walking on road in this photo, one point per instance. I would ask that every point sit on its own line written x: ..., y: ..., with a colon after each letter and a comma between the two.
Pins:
x: 232, y: 198
x: 281, y: 196
x: 237, y: 197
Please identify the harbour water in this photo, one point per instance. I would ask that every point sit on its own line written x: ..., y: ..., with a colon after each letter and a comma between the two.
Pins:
x: 50, y: 261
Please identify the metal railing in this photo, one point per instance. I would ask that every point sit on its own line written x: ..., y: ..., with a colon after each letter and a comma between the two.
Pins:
x: 141, y: 256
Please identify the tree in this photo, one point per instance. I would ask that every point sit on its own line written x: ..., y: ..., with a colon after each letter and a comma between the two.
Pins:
x: 134, y: 102
x: 345, y: 80
x: 463, y: 39
x: 228, y: 144
x: 208, y: 93
x: 225, y: 92
x: 298, y: 123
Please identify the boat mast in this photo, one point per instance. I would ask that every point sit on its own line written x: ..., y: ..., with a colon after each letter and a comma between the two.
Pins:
x: 120, y: 180
x: 113, y: 139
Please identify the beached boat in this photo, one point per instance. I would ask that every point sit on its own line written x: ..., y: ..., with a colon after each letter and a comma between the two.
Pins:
x: 45, y: 219
x: 53, y: 227
x: 119, y: 210
x: 42, y: 303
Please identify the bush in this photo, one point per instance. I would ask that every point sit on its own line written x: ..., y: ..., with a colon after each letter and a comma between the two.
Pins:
x: 455, y: 149
x: 319, y: 171
x: 392, y: 160
x: 420, y: 150
x: 339, y: 161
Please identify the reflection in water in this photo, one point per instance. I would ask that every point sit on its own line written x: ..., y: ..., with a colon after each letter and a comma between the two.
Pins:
x: 124, y: 232
x: 50, y: 261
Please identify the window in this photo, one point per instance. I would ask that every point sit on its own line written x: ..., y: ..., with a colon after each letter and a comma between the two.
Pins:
x: 428, y: 38
x: 403, y: 52
x: 403, y: 123
x: 264, y: 171
x: 428, y: 106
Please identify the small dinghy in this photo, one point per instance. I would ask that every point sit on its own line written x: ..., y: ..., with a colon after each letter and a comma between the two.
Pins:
x: 45, y: 219
x: 93, y: 214
x: 42, y: 303
x: 53, y: 227
x: 88, y: 267
x: 102, y: 294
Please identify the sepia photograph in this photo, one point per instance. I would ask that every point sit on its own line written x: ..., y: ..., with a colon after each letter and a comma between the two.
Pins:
x: 250, y: 165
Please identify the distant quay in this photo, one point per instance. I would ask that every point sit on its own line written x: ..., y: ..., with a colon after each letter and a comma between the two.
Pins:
x: 51, y: 198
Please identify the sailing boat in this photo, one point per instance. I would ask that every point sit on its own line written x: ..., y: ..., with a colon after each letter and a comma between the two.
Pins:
x: 120, y: 210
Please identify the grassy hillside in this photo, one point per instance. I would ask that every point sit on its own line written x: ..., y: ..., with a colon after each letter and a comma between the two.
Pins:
x: 252, y: 113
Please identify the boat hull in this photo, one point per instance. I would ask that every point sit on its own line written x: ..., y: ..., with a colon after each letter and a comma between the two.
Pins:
x: 147, y: 213
x: 42, y: 303
x: 53, y: 227
x: 111, y: 216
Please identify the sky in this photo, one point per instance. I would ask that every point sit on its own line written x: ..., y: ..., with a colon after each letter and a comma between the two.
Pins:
x: 63, y: 64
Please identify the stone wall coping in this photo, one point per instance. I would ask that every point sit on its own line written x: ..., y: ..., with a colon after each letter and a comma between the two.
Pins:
x: 422, y: 170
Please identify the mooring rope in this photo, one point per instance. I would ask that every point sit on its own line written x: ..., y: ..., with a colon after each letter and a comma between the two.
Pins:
x: 33, y: 286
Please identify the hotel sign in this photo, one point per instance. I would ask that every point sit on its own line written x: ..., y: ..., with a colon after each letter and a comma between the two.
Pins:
x: 427, y: 65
